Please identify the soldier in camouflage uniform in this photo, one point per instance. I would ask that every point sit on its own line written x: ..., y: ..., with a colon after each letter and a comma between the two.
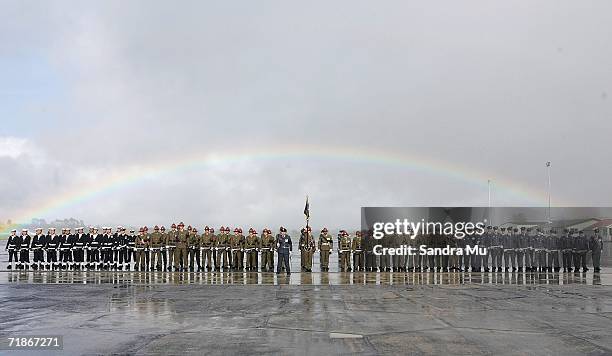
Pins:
x: 306, y: 247
x: 163, y: 247
x: 194, y: 250
x: 345, y: 252
x: 302, y: 249
x: 155, y: 248
x: 207, y: 242
x: 171, y: 241
x: 267, y: 245
x: 358, y: 256
x: 222, y: 248
x: 251, y: 246
x: 237, y: 242
x: 214, y: 238
x: 326, y: 245
x: 141, y: 244
x: 180, y: 253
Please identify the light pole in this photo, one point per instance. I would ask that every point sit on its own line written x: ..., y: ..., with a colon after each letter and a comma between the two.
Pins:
x: 549, y: 191
x: 489, y: 203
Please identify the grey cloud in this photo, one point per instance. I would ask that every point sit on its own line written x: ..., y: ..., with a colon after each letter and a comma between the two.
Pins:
x: 498, y: 88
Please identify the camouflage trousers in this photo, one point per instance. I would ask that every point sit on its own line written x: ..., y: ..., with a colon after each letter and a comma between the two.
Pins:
x: 180, y: 257
x: 207, y: 257
x: 324, y: 259
x: 306, y: 259
x: 345, y: 260
x: 251, y: 259
x: 237, y: 259
x: 170, y: 259
x: 267, y: 259
x: 358, y: 261
x: 194, y: 257
x: 223, y: 258
x: 156, y: 258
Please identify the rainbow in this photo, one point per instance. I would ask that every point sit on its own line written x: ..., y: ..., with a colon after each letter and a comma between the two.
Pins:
x: 356, y: 155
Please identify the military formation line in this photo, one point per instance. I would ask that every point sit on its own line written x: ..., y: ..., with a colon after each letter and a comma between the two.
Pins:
x: 184, y: 249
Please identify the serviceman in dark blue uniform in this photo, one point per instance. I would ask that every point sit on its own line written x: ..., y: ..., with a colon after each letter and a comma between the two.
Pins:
x: 11, y: 247
x: 553, y: 251
x: 38, y: 243
x: 566, y: 250
x: 596, y: 248
x: 284, y: 246
x: 582, y: 247
x: 521, y: 248
x: 52, y: 245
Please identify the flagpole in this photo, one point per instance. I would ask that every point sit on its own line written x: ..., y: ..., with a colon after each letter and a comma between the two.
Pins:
x: 308, y: 215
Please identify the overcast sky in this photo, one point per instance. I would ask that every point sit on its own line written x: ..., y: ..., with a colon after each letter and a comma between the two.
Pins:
x: 93, y: 91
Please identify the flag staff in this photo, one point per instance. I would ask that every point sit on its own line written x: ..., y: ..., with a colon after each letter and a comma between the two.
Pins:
x: 307, y: 213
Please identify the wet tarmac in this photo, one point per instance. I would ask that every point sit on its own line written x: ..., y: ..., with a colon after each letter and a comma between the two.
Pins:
x: 151, y: 313
x: 243, y: 313
x: 316, y: 278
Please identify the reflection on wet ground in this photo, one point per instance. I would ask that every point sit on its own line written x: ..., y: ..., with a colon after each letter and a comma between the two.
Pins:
x: 315, y: 278
x: 157, y: 314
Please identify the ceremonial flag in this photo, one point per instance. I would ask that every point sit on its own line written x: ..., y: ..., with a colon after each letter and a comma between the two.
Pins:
x: 307, y: 209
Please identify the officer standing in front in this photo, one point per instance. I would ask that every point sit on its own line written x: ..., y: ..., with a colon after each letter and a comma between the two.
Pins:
x: 284, y: 246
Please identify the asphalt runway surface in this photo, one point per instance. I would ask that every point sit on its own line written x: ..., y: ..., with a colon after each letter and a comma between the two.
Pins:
x: 151, y: 313
x: 155, y: 313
